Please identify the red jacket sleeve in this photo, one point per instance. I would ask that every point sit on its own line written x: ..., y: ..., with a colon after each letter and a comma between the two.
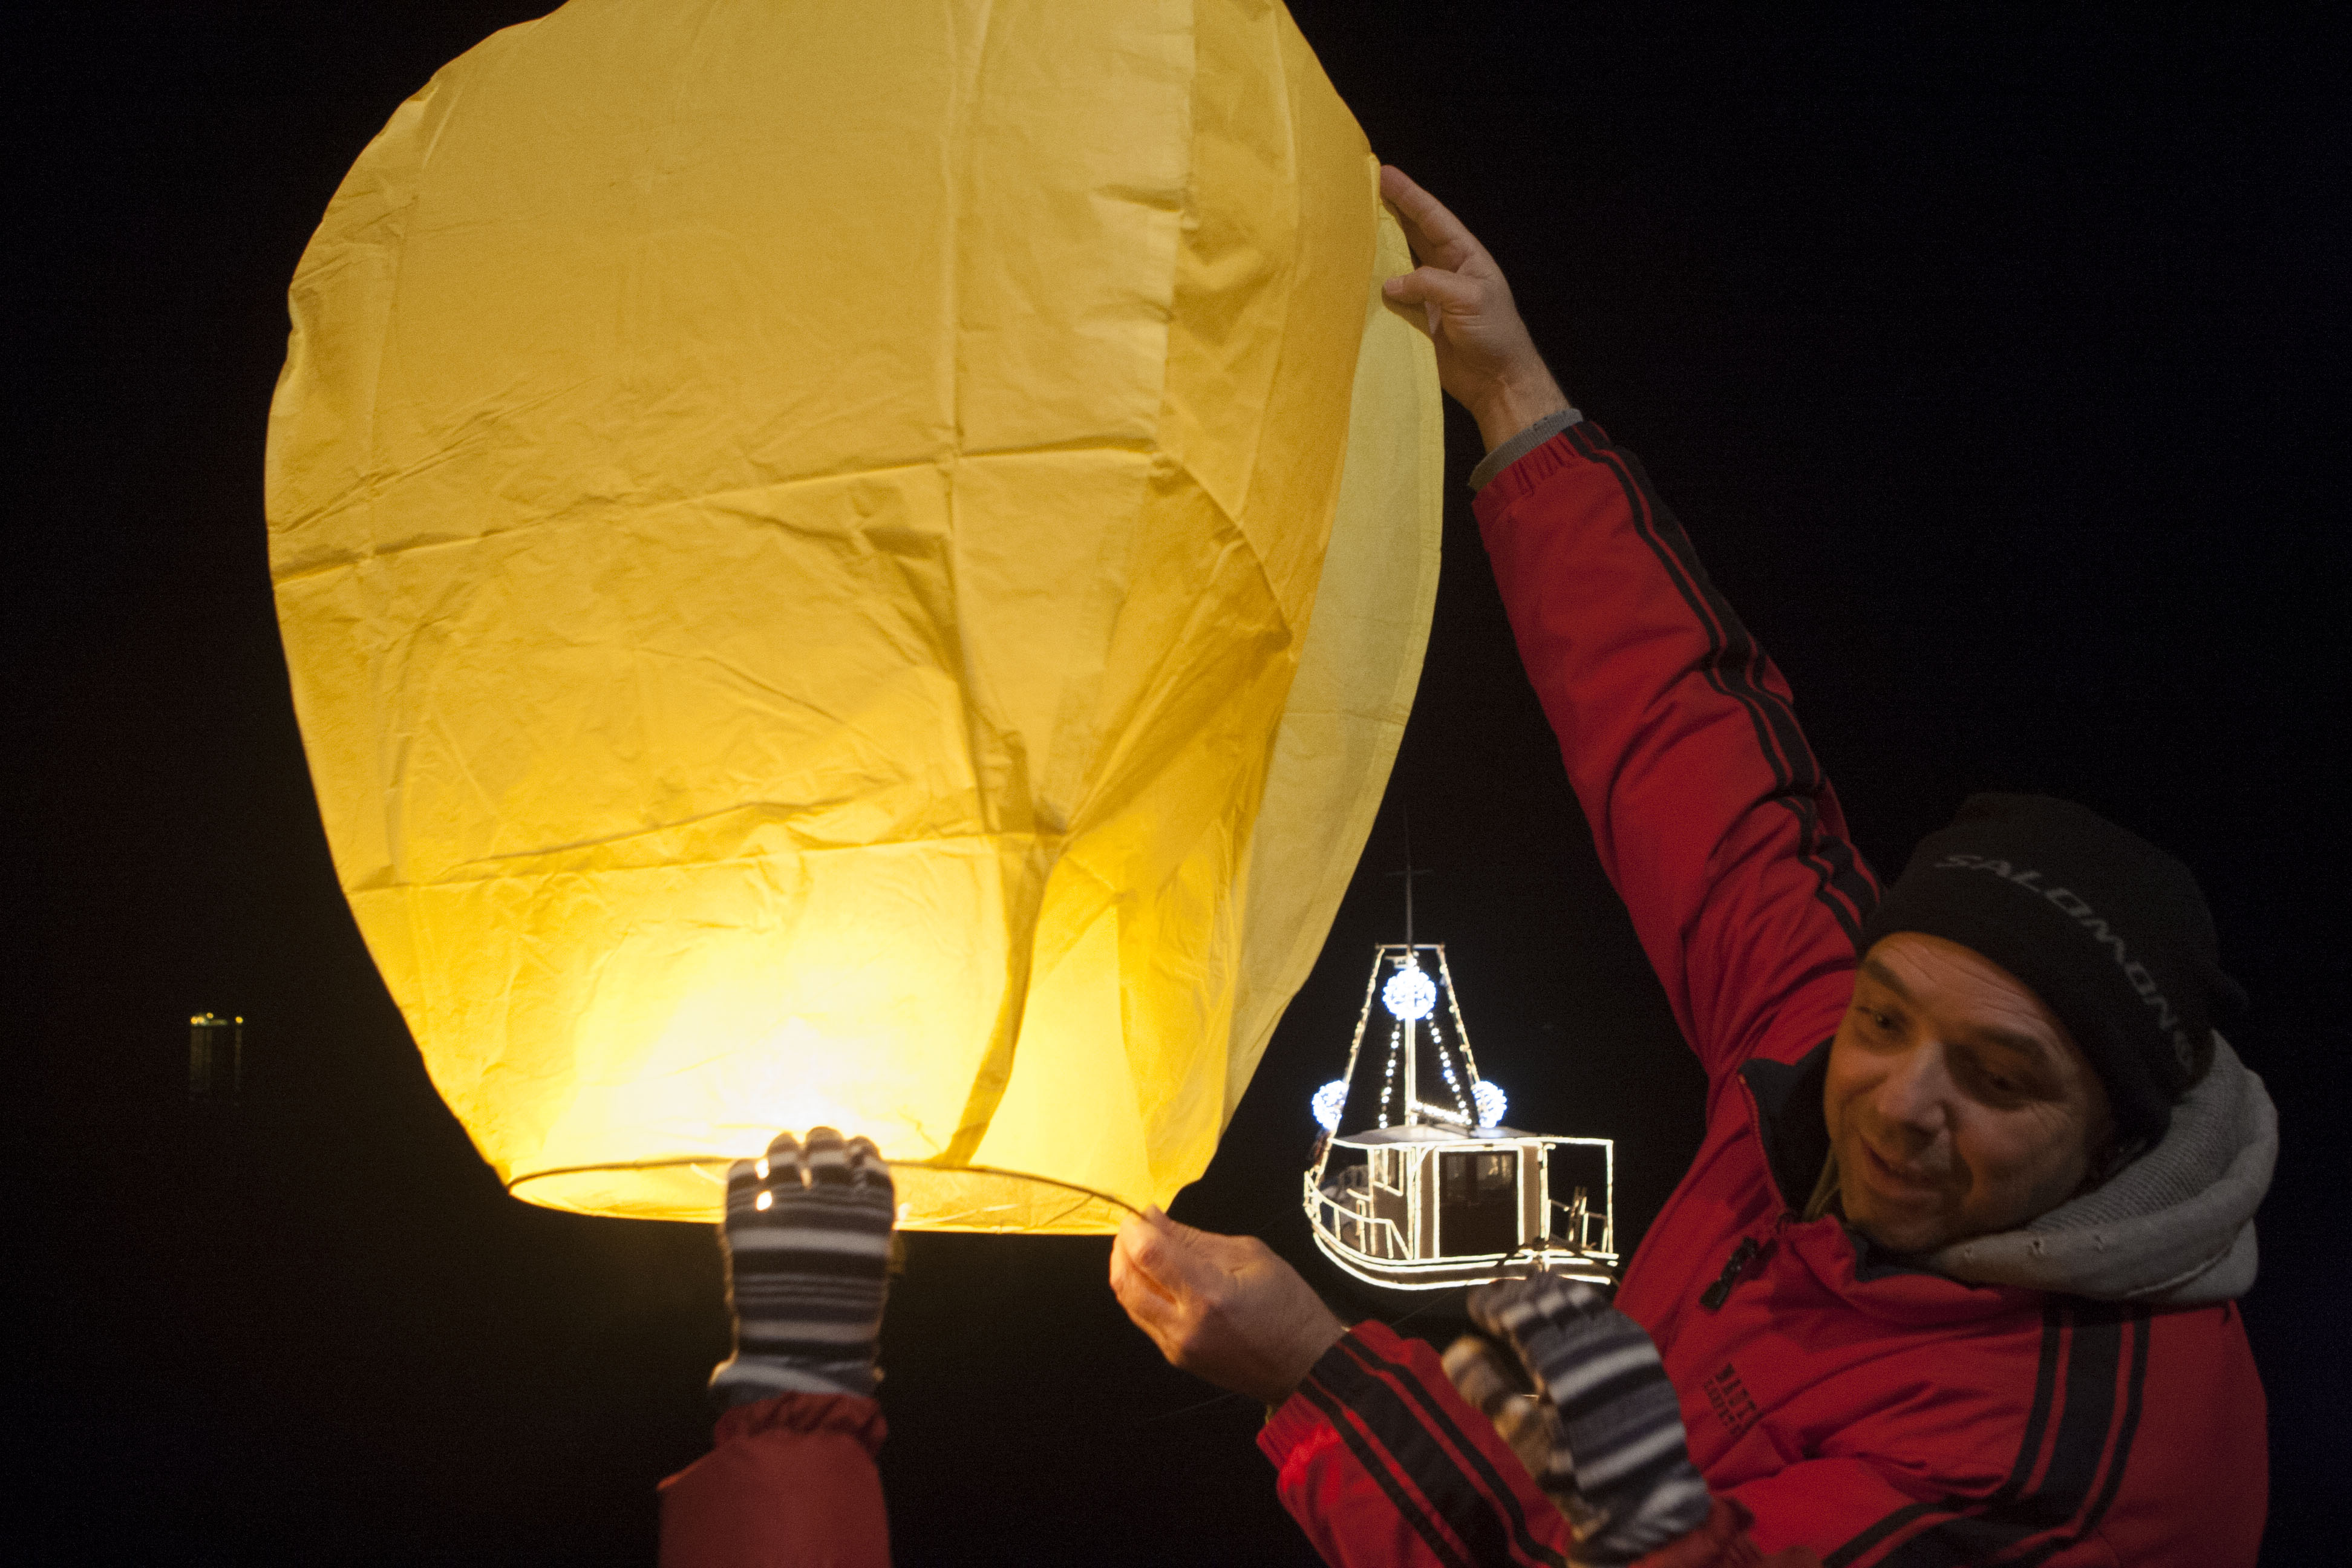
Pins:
x: 1381, y: 1462
x: 1711, y: 816
x: 1384, y: 1464
x: 789, y: 1483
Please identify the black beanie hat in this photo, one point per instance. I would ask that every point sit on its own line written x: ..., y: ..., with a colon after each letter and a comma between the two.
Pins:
x: 2107, y: 929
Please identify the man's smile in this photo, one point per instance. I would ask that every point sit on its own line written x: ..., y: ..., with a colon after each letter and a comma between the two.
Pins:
x: 1895, y: 1179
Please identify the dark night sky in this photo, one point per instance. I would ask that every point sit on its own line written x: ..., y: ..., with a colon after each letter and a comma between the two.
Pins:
x: 1995, y: 365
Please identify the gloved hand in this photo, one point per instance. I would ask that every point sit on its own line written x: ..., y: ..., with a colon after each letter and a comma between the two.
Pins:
x: 1608, y: 1429
x: 807, y: 1243
x: 1492, y: 1379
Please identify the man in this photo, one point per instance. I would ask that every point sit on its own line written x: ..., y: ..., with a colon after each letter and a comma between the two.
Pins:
x: 1952, y: 1279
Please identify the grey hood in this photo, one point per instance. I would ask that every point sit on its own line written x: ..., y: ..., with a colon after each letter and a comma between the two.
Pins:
x: 2173, y: 1229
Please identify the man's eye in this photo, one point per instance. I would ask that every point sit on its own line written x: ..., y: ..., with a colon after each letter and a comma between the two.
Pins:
x: 1999, y: 1085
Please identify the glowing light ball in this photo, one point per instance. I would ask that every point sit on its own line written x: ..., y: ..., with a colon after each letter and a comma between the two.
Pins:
x: 855, y: 564
x: 1409, y: 995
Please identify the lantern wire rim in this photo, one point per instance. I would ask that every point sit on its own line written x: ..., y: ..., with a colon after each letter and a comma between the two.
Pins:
x: 696, y: 1164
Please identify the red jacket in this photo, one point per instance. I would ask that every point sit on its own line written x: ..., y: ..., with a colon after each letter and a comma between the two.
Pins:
x: 1872, y: 1413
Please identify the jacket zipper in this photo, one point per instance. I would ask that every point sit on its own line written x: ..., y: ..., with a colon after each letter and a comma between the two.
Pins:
x: 1741, y: 1256
x: 1749, y: 1251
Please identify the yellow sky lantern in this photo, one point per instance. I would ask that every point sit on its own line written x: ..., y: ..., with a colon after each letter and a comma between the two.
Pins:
x: 858, y: 564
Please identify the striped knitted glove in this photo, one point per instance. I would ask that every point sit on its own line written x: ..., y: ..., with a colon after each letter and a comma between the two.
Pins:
x: 1618, y: 1466
x: 807, y: 1244
x: 1492, y: 1379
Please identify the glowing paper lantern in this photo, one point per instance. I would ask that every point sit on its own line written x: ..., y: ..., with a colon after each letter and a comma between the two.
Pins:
x: 855, y: 564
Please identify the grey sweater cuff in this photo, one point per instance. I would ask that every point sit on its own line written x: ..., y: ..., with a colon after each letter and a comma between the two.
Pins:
x: 1520, y: 445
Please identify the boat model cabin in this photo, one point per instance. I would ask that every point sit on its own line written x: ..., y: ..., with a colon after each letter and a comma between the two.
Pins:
x: 1416, y: 1183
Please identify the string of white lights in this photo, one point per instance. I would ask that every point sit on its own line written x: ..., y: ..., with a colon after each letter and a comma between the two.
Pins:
x: 1388, y: 1082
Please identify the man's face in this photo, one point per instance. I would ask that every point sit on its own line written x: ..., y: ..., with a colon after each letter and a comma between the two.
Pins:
x: 1958, y: 1104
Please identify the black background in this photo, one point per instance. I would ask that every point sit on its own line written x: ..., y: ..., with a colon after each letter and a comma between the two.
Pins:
x: 1994, y: 362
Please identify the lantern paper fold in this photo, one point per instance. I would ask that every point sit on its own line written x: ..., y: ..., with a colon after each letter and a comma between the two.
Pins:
x: 858, y: 564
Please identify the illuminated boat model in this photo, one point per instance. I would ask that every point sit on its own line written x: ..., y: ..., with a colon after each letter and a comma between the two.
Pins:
x: 1416, y: 1183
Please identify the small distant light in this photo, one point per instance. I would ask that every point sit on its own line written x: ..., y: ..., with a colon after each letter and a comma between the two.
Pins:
x: 216, y: 1058
x: 764, y: 1200
x: 1492, y: 1102
x: 1327, y: 1103
x: 1410, y: 993
x: 760, y: 1165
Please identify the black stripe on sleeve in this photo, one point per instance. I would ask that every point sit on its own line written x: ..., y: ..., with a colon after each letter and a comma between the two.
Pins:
x: 2045, y: 1386
x: 2028, y: 1448
x: 1734, y: 668
x: 1843, y: 885
x: 1880, y: 1531
x: 1472, y: 1514
x: 2129, y: 1429
x: 2091, y: 1361
x: 1412, y: 1512
x: 2086, y: 1420
x: 2142, y: 1331
x: 1436, y: 1415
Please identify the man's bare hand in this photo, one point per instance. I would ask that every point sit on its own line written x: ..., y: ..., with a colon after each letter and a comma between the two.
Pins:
x: 1484, y: 357
x: 1222, y: 1306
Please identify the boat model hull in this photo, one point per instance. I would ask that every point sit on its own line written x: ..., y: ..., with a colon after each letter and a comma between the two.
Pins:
x: 1422, y: 1208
